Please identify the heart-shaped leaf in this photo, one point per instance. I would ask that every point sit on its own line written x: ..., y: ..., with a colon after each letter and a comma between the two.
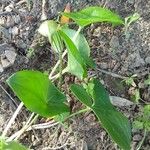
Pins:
x: 116, y: 124
x: 94, y: 14
x: 81, y: 44
x: 76, y: 64
x: 38, y: 93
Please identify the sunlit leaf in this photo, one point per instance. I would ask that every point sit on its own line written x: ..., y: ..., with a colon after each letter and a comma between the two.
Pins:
x: 116, y: 124
x: 81, y: 44
x: 76, y: 64
x: 94, y: 14
x: 38, y: 93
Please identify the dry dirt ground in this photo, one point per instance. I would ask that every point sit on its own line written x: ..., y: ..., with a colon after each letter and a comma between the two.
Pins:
x: 111, y: 50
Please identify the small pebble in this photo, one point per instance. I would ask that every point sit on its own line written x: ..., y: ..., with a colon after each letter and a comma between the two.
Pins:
x: 14, y: 31
x: 17, y: 19
x: 11, y: 56
x: 104, y: 65
x: 1, y: 68
x: 147, y: 60
x: 10, y: 21
x: 137, y: 137
x: 5, y: 62
x: 97, y: 32
x: 114, y: 42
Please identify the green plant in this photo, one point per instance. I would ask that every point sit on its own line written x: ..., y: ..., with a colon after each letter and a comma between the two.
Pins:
x: 135, y: 93
x: 42, y: 96
x: 143, y: 122
x: 130, y: 80
x: 128, y: 21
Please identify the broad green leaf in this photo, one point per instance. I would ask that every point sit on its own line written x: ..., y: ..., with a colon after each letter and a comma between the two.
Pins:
x: 116, y: 124
x: 76, y: 64
x: 81, y: 44
x: 13, y: 145
x: 94, y: 14
x: 38, y: 93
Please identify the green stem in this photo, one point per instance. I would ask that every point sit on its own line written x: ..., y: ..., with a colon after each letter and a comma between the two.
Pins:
x: 141, y: 143
x: 78, y: 112
x: 26, y: 126
x: 60, y: 65
x: 57, y: 75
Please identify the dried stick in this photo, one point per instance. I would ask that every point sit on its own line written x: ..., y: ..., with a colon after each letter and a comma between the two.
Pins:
x: 12, y: 119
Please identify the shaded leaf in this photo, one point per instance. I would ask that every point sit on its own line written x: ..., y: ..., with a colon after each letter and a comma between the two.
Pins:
x: 81, y: 44
x: 94, y: 14
x: 113, y: 121
x: 38, y: 93
x: 76, y: 64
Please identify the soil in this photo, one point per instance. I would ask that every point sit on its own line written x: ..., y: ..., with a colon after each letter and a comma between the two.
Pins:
x: 112, y: 50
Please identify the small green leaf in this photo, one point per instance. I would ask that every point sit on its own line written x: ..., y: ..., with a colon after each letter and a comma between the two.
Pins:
x: 38, y: 93
x: 136, y: 95
x: 132, y: 18
x: 13, y: 145
x: 76, y: 64
x: 113, y: 121
x: 138, y: 124
x: 94, y: 14
x: 81, y: 44
x: 147, y: 110
x: 81, y: 94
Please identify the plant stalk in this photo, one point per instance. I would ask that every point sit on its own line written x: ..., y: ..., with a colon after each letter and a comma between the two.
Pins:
x: 12, y: 119
x: 78, y: 112
x: 141, y: 143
